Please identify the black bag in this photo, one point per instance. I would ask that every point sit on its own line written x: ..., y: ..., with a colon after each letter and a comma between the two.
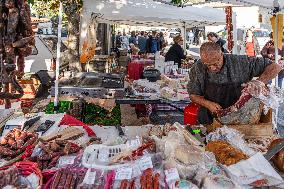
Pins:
x: 152, y: 74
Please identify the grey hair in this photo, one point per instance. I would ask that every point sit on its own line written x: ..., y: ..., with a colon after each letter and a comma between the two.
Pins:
x: 210, y: 47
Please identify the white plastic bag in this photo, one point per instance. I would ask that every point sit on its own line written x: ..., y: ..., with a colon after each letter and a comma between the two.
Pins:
x: 255, y: 171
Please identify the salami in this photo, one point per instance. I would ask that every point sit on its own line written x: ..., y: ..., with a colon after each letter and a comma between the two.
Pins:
x: 17, y: 40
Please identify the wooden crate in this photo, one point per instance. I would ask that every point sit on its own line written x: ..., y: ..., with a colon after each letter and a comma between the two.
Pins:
x: 264, y: 129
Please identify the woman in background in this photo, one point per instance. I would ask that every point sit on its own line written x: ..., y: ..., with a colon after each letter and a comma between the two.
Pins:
x: 176, y: 52
x: 252, y: 46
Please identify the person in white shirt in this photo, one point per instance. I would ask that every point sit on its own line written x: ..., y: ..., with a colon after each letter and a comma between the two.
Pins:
x: 124, y: 41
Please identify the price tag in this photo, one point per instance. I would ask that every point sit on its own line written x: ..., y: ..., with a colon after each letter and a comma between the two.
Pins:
x: 123, y: 173
x: 90, y: 177
x: 66, y: 160
x: 136, y: 171
x: 133, y: 144
x: 145, y: 163
x: 172, y: 174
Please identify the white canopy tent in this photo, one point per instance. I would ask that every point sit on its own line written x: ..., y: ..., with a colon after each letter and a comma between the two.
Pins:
x: 148, y: 13
x: 151, y: 13
x: 261, y: 3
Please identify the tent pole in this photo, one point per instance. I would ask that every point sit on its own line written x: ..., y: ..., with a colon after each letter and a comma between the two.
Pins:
x: 235, y: 33
x: 184, y: 37
x: 276, y: 46
x: 276, y: 61
x: 58, y: 59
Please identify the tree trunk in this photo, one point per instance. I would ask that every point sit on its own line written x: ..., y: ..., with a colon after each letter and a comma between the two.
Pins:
x: 73, y: 18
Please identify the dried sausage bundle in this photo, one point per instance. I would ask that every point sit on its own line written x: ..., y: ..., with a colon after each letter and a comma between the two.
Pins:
x: 147, y: 180
x: 11, y: 177
x: 16, y: 27
x: 52, y: 151
x: 76, y: 178
x: 15, y: 143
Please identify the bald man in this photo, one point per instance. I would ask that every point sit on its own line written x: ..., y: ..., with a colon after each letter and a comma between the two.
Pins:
x: 216, y: 80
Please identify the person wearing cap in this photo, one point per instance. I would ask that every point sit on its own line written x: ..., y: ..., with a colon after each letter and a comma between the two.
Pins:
x: 216, y: 79
x: 176, y: 52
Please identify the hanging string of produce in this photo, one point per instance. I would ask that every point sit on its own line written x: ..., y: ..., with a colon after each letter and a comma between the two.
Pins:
x: 229, y: 26
x: 17, y: 42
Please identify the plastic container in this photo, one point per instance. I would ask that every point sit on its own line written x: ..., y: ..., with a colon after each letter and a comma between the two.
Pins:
x: 191, y: 114
x: 99, y: 156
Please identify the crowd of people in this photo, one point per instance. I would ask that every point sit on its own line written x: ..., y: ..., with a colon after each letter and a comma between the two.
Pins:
x: 150, y: 42
x: 146, y: 42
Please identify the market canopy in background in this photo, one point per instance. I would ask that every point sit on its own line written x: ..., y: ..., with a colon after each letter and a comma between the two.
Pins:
x: 261, y: 3
x: 151, y: 13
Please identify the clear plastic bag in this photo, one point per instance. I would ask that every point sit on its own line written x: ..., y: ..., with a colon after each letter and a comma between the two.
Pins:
x: 172, y: 141
x: 190, y: 161
x: 205, y: 171
x: 272, y: 97
x: 233, y: 137
x: 219, y: 181
x: 93, y: 179
x: 184, y: 184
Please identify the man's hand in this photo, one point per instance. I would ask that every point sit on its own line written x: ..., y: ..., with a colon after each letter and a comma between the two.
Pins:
x: 254, y: 87
x: 200, y: 100
x: 213, y: 107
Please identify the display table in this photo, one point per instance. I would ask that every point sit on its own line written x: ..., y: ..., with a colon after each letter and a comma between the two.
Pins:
x: 136, y: 67
x: 159, y: 108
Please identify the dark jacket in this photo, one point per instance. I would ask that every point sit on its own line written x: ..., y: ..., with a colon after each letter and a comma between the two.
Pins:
x: 149, y: 44
x: 162, y: 42
x: 175, y: 54
x: 270, y: 49
x: 221, y: 43
x: 142, y: 42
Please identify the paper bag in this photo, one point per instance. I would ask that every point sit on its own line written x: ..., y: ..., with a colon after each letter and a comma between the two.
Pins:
x: 255, y: 171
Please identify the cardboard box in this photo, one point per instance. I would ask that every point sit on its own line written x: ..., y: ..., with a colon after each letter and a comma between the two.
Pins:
x: 264, y: 129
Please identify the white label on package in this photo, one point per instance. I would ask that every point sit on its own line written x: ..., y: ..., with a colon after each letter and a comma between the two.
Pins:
x: 133, y: 144
x: 145, y: 163
x: 172, y: 174
x: 66, y: 160
x: 136, y: 171
x: 123, y: 173
x: 90, y: 177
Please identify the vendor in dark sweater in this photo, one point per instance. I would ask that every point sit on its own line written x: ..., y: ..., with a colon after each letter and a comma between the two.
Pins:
x: 175, y: 52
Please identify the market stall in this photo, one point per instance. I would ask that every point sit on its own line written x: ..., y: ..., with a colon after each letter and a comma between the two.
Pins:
x: 64, y: 152
x: 84, y: 146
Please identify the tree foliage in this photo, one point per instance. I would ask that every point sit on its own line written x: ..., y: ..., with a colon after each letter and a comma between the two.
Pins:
x: 72, y: 10
x: 43, y: 9
x: 54, y: 4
